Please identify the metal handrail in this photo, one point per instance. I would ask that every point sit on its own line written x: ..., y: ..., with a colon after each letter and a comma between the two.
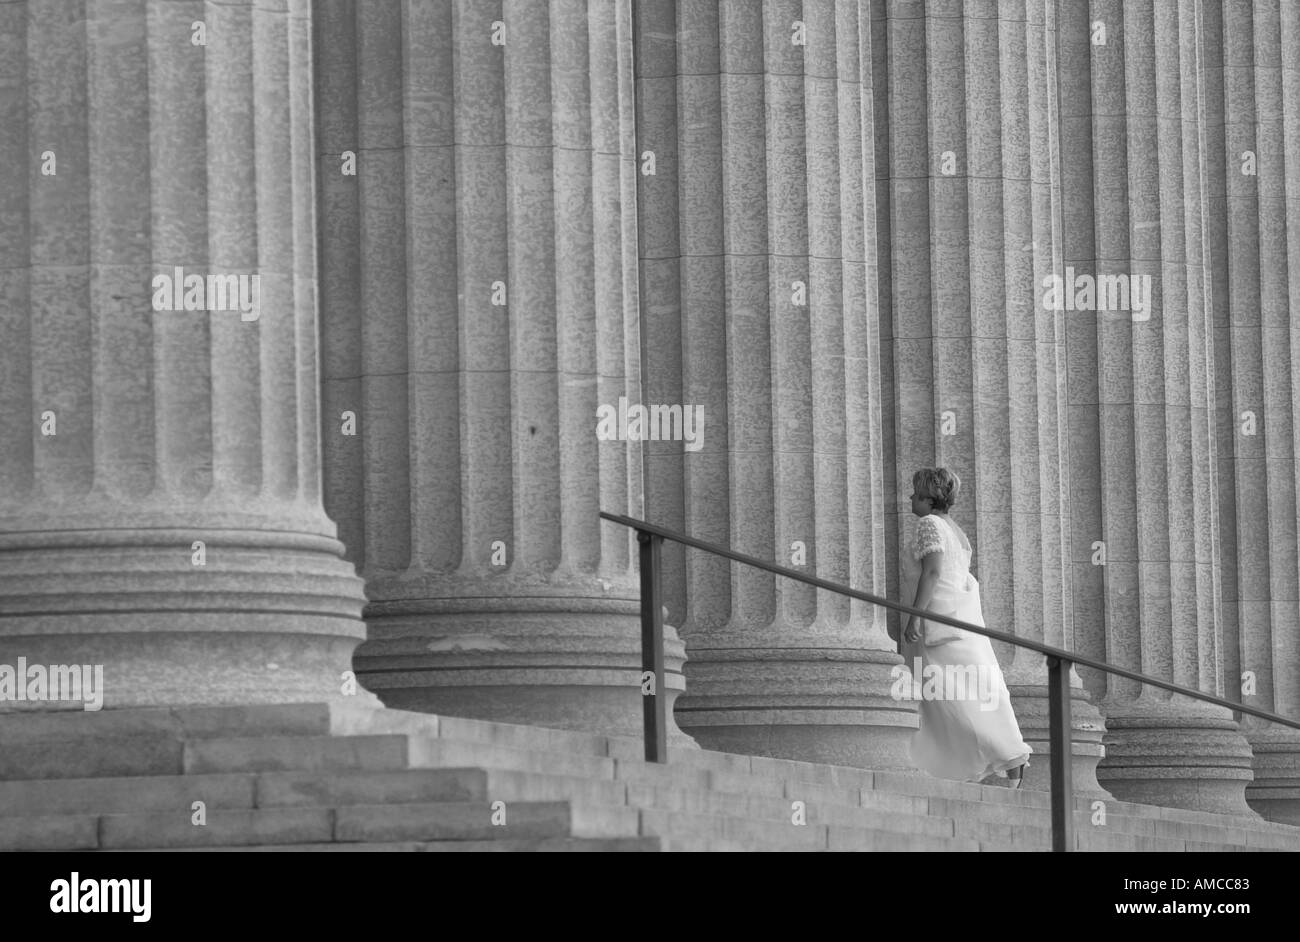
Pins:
x: 650, y: 536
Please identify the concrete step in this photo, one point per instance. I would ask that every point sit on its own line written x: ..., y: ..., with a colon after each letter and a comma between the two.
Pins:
x: 1109, y: 841
x: 174, y: 723
x: 974, y: 821
x: 363, y: 823
x: 333, y: 771
x: 886, y: 813
x: 322, y: 775
x: 975, y: 814
x: 695, y: 758
x: 441, y: 753
x: 311, y: 788
x: 867, y: 832
x: 762, y: 776
x: 222, y: 828
x: 359, y: 787
x: 773, y: 834
x: 669, y: 776
x: 102, y: 756
x: 887, y: 801
x: 551, y: 845
x: 461, y: 729
x: 537, y: 845
x: 375, y: 788
x: 520, y: 785
x: 1272, y: 839
x: 126, y: 794
x: 854, y: 839
x: 1011, y: 817
x: 325, y: 788
x: 908, y: 783
x: 296, y: 753
x: 783, y: 810
x: 474, y: 821
x: 49, y: 832
x: 1204, y: 833
x: 694, y: 844
x: 972, y: 812
x: 1029, y: 836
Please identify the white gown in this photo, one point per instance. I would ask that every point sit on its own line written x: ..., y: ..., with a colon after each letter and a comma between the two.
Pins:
x: 968, y: 729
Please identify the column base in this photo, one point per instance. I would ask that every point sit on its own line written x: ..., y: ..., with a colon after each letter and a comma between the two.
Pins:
x: 157, y: 668
x: 1275, y: 792
x: 1087, y: 729
x: 1176, y: 756
x: 806, y: 704
x: 556, y: 661
x: 256, y: 616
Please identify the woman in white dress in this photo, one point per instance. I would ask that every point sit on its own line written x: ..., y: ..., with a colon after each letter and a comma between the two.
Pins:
x: 968, y: 730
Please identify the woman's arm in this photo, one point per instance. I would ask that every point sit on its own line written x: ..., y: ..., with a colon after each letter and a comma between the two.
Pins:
x: 924, y: 594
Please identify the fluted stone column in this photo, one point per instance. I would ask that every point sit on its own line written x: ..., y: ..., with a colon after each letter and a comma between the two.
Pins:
x: 1253, y: 77
x: 976, y: 363
x: 758, y: 287
x: 480, y: 308
x: 1142, y: 399
x: 160, y: 510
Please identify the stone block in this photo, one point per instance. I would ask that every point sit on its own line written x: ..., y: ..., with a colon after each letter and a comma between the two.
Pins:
x: 473, y: 821
x: 49, y: 832
x: 223, y: 828
x: 439, y: 753
x: 333, y: 788
x: 92, y: 758
x: 120, y: 795
x: 276, y: 754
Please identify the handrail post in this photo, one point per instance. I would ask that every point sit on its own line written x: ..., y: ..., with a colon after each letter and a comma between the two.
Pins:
x: 653, y: 698
x: 1062, y: 753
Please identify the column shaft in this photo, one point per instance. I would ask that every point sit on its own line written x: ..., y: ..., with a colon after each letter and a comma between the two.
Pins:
x: 160, y: 509
x: 758, y: 279
x: 1252, y: 251
x: 489, y: 227
x: 1144, y: 358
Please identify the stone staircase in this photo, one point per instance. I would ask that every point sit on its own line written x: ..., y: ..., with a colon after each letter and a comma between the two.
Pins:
x: 343, y: 777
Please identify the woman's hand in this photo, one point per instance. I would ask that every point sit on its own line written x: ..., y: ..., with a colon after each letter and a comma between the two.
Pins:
x: 913, y: 632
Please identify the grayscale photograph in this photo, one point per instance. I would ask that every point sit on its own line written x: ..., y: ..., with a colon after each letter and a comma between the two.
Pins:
x: 651, y: 426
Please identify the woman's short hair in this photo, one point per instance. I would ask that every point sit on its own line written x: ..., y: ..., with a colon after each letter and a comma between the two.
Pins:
x: 938, y: 484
